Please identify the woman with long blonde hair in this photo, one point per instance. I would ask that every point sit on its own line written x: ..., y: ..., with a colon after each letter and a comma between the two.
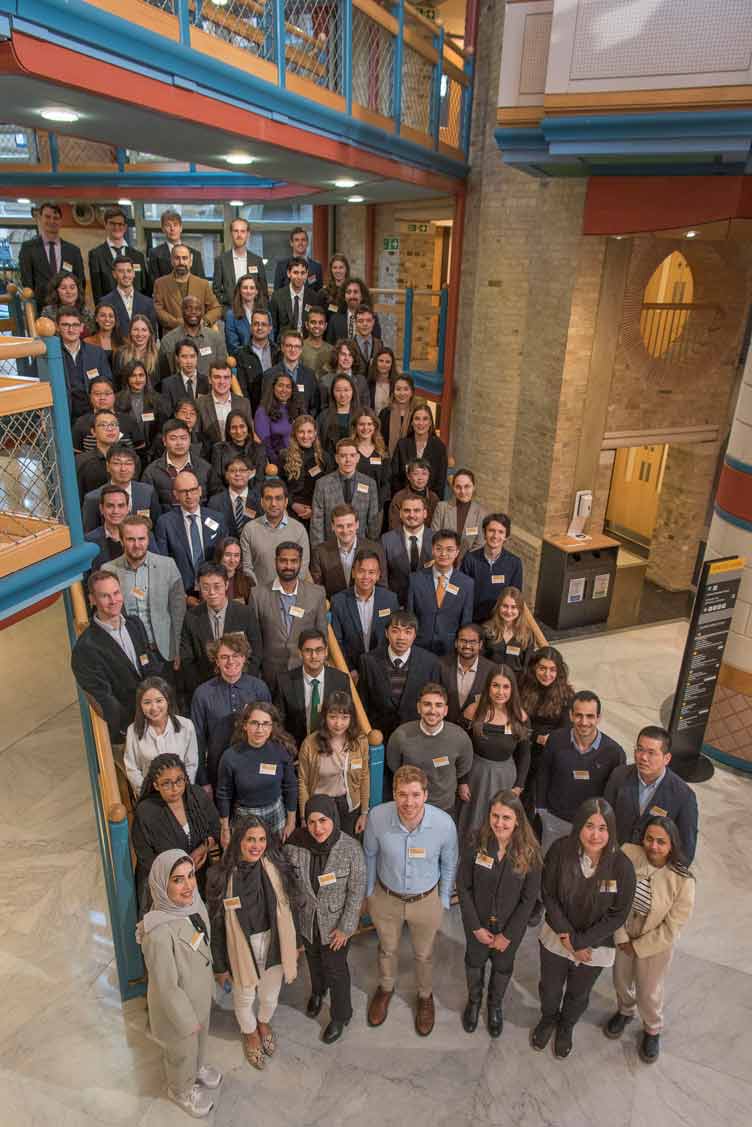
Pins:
x: 509, y: 639
x: 302, y: 466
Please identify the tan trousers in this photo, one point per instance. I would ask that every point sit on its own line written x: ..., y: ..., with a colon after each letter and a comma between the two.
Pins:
x: 639, y: 985
x: 183, y: 1059
x: 423, y: 919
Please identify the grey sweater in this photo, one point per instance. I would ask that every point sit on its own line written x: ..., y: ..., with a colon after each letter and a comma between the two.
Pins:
x: 446, y: 758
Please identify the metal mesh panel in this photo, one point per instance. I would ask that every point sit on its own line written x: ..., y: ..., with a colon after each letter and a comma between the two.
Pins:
x: 246, y: 24
x: 17, y: 144
x: 417, y: 84
x: 29, y: 473
x: 75, y: 151
x: 135, y: 156
x: 373, y: 65
x: 451, y: 114
x: 313, y: 42
x: 164, y: 5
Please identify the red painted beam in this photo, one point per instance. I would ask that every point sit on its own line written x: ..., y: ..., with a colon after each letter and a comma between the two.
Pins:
x: 453, y: 306
x: 122, y: 187
x: 623, y: 205
x: 28, y: 611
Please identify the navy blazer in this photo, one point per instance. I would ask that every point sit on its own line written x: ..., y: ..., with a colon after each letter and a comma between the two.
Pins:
x: 143, y: 501
x: 160, y: 262
x: 673, y: 799
x: 36, y: 271
x: 491, y: 581
x: 220, y: 503
x: 101, y: 262
x: 346, y: 622
x: 315, y: 273
x: 337, y: 328
x: 438, y: 625
x: 398, y: 561
x: 97, y: 536
x: 172, y: 390
x: 172, y: 541
x: 90, y: 364
x: 141, y: 304
x: 305, y: 382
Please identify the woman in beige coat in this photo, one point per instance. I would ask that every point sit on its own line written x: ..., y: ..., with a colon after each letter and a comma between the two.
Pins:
x: 174, y: 938
x: 663, y: 902
x: 334, y: 761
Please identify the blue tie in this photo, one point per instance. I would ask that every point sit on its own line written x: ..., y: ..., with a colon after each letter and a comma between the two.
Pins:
x: 197, y: 550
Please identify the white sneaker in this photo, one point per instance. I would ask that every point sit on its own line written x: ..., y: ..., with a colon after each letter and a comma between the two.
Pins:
x: 209, y: 1076
x: 197, y: 1102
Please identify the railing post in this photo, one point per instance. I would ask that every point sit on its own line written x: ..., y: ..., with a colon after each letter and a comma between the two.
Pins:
x: 398, y: 45
x: 376, y: 765
x: 407, y: 330
x: 279, y: 40
x: 50, y: 368
x: 347, y: 56
x: 467, y: 107
x: 54, y: 151
x: 126, y: 914
x: 184, y: 21
x: 443, y: 306
x: 438, y: 43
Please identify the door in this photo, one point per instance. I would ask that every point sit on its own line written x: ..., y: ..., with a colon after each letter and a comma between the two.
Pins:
x: 635, y: 489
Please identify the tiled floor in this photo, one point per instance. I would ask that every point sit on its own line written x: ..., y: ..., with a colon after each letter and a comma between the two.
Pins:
x: 71, y: 1056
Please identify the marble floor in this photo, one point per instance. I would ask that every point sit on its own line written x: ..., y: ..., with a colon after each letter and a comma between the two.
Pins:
x: 72, y: 1056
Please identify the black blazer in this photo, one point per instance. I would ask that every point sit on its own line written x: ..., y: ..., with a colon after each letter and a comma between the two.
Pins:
x: 36, y: 271
x: 398, y: 561
x: 448, y: 678
x: 249, y: 373
x: 141, y: 304
x: 172, y: 389
x: 315, y: 273
x: 108, y: 549
x: 223, y: 282
x: 435, y: 454
x: 337, y: 328
x: 220, y: 502
x: 346, y: 622
x: 104, y: 672
x: 482, y: 894
x: 383, y: 711
x: 281, y: 310
x: 160, y: 263
x: 594, y: 925
x: 289, y: 696
x: 673, y: 798
x: 197, y: 633
x: 100, y: 271
x: 155, y: 829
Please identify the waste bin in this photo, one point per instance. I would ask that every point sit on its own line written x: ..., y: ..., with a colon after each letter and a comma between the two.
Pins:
x: 576, y: 581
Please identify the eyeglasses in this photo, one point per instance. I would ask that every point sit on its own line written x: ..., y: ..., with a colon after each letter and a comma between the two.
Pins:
x: 171, y: 783
x: 259, y: 724
x: 185, y: 492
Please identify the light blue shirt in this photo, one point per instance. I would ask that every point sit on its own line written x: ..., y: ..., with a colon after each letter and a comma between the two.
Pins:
x: 594, y: 745
x: 645, y: 791
x: 410, y: 862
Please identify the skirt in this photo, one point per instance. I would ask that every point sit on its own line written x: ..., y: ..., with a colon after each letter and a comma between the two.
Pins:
x: 486, y: 778
x: 273, y: 815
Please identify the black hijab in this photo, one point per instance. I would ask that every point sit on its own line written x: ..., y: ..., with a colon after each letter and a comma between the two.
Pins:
x: 302, y: 837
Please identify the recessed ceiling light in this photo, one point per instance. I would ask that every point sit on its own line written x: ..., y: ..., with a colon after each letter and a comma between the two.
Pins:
x: 125, y: 203
x: 618, y: 236
x: 235, y: 203
x: 23, y: 199
x: 345, y: 183
x: 239, y: 158
x: 355, y: 199
x: 691, y: 235
x: 59, y: 113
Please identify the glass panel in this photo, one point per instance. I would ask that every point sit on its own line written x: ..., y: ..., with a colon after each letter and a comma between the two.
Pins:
x: 11, y: 209
x: 10, y: 243
x: 195, y: 212
x: 209, y: 243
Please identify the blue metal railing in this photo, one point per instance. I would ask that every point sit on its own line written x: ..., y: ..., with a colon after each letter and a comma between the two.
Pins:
x: 430, y: 380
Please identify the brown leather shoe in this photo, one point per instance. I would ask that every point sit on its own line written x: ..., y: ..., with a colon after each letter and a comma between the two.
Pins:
x: 424, y: 1016
x: 379, y: 1006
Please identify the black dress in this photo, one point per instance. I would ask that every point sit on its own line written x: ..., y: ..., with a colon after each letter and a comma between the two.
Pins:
x: 378, y: 466
x: 435, y: 454
x: 509, y: 653
x: 300, y: 489
x: 155, y: 829
x: 500, y: 762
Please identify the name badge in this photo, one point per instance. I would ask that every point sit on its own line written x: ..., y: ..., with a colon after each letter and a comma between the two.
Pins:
x: 252, y: 269
x: 267, y: 768
x: 92, y: 373
x: 307, y: 308
x: 67, y: 266
x: 658, y: 812
x: 453, y: 589
x: 206, y: 351
x: 196, y: 939
x: 143, y: 512
x: 361, y: 487
x: 138, y: 592
x: 326, y: 879
x: 472, y: 531
x: 356, y: 764
x: 416, y: 853
x: 497, y: 579
x: 232, y: 903
x: 211, y: 523
x: 484, y: 860
x: 581, y: 776
x: 297, y: 612
x: 375, y: 461
x: 136, y: 266
x: 143, y: 659
x: 385, y: 612
x: 441, y: 761
x: 609, y: 886
x: 513, y: 651
x: 314, y: 471
x: 300, y: 387
x: 333, y: 308
x: 147, y: 417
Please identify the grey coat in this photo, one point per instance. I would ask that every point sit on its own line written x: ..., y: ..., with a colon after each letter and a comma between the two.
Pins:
x: 181, y: 980
x: 280, y: 650
x: 328, y: 494
x: 166, y: 597
x: 335, y: 905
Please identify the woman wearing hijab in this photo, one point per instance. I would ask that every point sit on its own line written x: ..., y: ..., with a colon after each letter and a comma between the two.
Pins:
x: 331, y: 868
x: 174, y: 938
x: 253, y: 934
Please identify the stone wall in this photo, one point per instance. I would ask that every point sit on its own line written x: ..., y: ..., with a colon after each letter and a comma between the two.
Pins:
x: 682, y: 512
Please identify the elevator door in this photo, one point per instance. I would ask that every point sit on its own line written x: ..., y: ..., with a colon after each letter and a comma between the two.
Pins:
x: 635, y: 489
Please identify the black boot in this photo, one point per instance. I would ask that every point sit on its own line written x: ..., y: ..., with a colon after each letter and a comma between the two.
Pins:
x: 541, y: 1035
x: 471, y: 1013
x: 497, y: 988
x: 495, y: 1019
x: 563, y: 1040
x: 313, y: 1009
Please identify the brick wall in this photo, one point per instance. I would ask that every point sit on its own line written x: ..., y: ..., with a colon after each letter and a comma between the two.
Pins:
x: 682, y: 510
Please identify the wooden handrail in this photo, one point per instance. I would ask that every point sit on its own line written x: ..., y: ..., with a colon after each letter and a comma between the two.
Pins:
x: 338, y: 661
x: 19, y: 348
x: 538, y: 635
x: 9, y: 294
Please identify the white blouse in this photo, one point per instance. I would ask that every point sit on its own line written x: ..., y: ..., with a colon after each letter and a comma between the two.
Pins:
x: 140, y: 752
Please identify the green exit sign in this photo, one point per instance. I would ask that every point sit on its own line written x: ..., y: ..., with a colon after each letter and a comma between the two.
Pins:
x: 418, y: 228
x: 391, y: 244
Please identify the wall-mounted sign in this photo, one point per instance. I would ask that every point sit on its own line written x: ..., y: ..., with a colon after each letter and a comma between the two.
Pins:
x: 600, y: 586
x: 391, y: 244
x: 576, y: 591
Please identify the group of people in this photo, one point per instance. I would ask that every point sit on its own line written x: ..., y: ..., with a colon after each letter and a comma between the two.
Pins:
x: 236, y: 522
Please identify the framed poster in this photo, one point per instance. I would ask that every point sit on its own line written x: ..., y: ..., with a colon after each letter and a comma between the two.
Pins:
x: 576, y: 592
x: 601, y: 585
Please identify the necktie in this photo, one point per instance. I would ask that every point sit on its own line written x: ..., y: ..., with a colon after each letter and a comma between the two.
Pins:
x: 367, y: 352
x: 296, y: 312
x: 347, y: 490
x: 414, y: 554
x: 215, y: 627
x: 351, y: 325
x: 197, y: 548
x: 315, y: 703
x: 189, y: 389
x: 239, y: 512
x: 441, y: 590
x: 52, y: 256
x: 398, y: 663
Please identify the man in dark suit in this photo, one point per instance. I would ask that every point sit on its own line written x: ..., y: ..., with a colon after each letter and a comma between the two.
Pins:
x: 122, y: 465
x: 361, y: 614
x: 291, y: 346
x: 112, y: 656
x: 82, y: 362
x: 297, y: 697
x: 160, y: 261
x: 125, y: 299
x: 179, y: 456
x: 187, y: 383
x: 257, y: 357
x: 113, y: 509
x: 102, y: 398
x: 47, y: 254
x: 214, y: 617
x: 189, y: 532
x: 649, y: 788
x: 390, y: 678
x: 407, y: 548
x: 290, y: 303
x: 241, y: 501
x: 103, y: 256
x: 464, y: 673
x: 440, y: 596
x: 492, y: 567
x: 332, y: 561
x: 345, y: 324
x: 299, y: 249
x: 366, y: 340
x: 234, y: 263
x: 218, y: 402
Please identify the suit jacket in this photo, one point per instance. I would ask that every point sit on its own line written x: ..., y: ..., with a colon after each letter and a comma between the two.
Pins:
x: 445, y: 516
x: 673, y: 798
x: 141, y: 304
x: 347, y: 628
x: 98, y: 536
x: 249, y: 372
x: 438, y: 625
x: 90, y: 364
x: 208, y: 416
x: 172, y: 541
x: 166, y: 599
x: 197, y: 632
x: 160, y: 263
x: 36, y: 271
x: 315, y: 273
x: 156, y: 475
x: 223, y: 282
x: 290, y: 697
x: 168, y: 300
x: 508, y: 896
x: 398, y: 561
x: 448, y: 678
x: 281, y: 309
x: 221, y: 503
x: 384, y: 712
x: 100, y: 271
x: 328, y: 493
x: 326, y: 565
x: 143, y: 501
x: 172, y: 390
x: 103, y: 671
x: 337, y: 328
x: 305, y: 381
x: 280, y: 650
x: 435, y: 454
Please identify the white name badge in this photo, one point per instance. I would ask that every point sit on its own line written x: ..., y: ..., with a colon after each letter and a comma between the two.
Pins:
x: 147, y: 417
x: 232, y: 903
x: 196, y: 939
x: 497, y: 579
x: 609, y: 886
x: 253, y: 269
x: 138, y: 593
x: 361, y: 487
x: 314, y: 471
x: 658, y: 812
x: 375, y: 461
x: 300, y: 387
x: 144, y: 659
x: 67, y: 266
x: 327, y: 878
x: 307, y: 308
x: 452, y: 589
x: 484, y: 860
x: 206, y: 351
x: 356, y: 764
x: 136, y: 265
x: 385, y: 612
x: 513, y: 651
x: 416, y: 853
x: 333, y: 308
x: 297, y: 612
x: 267, y: 768
x: 211, y: 523
x: 92, y: 373
x: 441, y: 761
x: 472, y: 531
x: 144, y: 512
x: 581, y: 776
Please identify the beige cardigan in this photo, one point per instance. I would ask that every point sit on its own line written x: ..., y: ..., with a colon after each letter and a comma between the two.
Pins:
x: 242, y: 963
x: 673, y: 898
x: 358, y: 773
x: 181, y: 980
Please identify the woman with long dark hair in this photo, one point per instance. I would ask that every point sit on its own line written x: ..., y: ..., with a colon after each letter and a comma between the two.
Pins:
x: 250, y: 899
x: 229, y: 553
x: 302, y: 466
x: 64, y: 289
x: 333, y: 760
x: 280, y: 406
x: 395, y: 417
x: 546, y: 695
x: 421, y: 441
x: 246, y: 300
x: 158, y: 730
x: 498, y: 883
x: 334, y: 423
x: 139, y: 400
x: 588, y: 889
x: 345, y: 360
x: 106, y: 333
x: 331, y: 296
x: 663, y: 903
x: 382, y: 372
x: 240, y: 438
x: 172, y: 813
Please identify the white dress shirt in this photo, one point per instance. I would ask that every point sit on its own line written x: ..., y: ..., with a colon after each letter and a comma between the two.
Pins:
x: 418, y: 534
x: 240, y: 263
x: 365, y: 613
x: 119, y: 634
x: 404, y: 658
x: 127, y: 300
x: 199, y: 525
x: 222, y: 408
x: 293, y: 295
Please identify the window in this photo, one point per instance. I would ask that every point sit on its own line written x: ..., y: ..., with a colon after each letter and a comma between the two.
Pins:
x: 667, y: 320
x: 17, y: 144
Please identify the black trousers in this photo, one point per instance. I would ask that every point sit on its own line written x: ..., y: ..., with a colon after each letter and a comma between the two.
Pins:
x: 502, y: 964
x: 347, y: 818
x: 575, y: 980
x: 329, y: 971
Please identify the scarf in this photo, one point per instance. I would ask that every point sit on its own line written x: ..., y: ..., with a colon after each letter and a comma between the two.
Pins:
x: 304, y: 839
x: 163, y: 910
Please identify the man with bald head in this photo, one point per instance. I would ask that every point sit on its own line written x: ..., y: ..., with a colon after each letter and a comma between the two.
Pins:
x: 170, y: 291
x: 189, y: 531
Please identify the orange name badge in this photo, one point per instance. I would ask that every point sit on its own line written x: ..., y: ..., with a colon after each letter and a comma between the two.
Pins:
x: 356, y: 764
x: 497, y: 578
x: 144, y: 659
x: 658, y: 812
x: 581, y: 776
x: 326, y: 879
x: 484, y: 860
x: 441, y: 761
x: 416, y: 853
x: 609, y: 886
x: 232, y: 903
x: 361, y: 487
x: 513, y: 651
x: 471, y: 531
x: 196, y: 939
x: 138, y: 592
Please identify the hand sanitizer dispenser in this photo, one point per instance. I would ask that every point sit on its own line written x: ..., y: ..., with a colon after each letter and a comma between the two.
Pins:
x: 583, y: 506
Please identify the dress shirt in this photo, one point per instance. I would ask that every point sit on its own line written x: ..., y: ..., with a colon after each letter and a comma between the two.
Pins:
x: 119, y: 633
x: 301, y: 311
x: 178, y: 469
x: 308, y: 692
x: 437, y: 575
x: 388, y: 846
x: 234, y: 497
x: 286, y: 601
x: 240, y: 263
x: 418, y: 534
x: 365, y: 614
x: 116, y: 249
x: 264, y: 354
x: 199, y: 525
x: 222, y: 408
x: 134, y: 583
x: 127, y: 300
x: 365, y: 344
x: 465, y: 679
x: 139, y: 751
x: 593, y: 746
x: 396, y: 657
x: 56, y: 247
x: 217, y: 621
x: 347, y: 555
x: 73, y: 352
x: 490, y: 560
x: 647, y: 790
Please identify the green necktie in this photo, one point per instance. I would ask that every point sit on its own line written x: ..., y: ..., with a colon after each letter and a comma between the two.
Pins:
x: 315, y: 703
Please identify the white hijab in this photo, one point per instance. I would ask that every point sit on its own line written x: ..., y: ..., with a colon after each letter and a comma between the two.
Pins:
x: 163, y: 910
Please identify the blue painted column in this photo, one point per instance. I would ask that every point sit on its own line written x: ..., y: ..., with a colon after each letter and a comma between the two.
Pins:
x: 376, y: 768
x: 347, y: 56
x: 436, y: 90
x: 407, y: 334
x: 279, y: 40
x: 398, y: 52
x: 184, y: 22
x: 443, y: 306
